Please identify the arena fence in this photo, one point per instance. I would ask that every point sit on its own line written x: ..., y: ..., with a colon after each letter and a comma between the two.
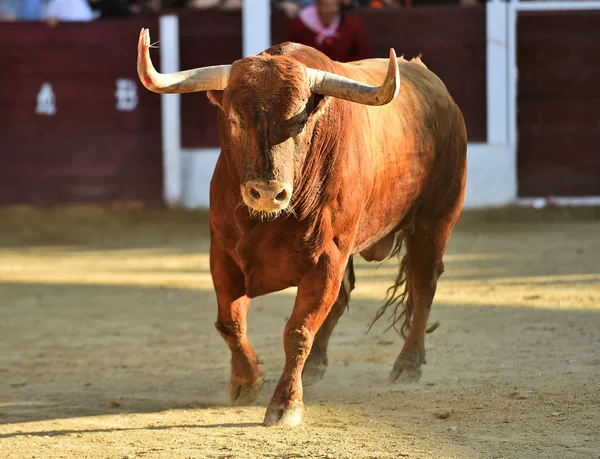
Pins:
x: 553, y: 72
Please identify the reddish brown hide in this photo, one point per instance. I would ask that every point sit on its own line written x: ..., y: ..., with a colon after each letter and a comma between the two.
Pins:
x: 358, y: 179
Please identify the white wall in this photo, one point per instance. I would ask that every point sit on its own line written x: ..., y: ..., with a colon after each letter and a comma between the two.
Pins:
x: 490, y: 176
x: 197, y: 167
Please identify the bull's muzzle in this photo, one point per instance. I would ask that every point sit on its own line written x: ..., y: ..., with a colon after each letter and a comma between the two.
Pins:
x: 268, y: 197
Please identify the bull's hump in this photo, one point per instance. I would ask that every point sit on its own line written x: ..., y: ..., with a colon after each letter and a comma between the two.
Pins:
x: 370, y: 63
x: 382, y: 64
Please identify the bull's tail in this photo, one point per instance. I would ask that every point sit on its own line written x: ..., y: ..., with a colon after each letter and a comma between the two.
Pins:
x: 397, y: 294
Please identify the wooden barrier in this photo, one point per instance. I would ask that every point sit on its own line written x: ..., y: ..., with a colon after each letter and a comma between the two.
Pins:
x: 75, y: 124
x: 558, y: 105
x: 206, y: 38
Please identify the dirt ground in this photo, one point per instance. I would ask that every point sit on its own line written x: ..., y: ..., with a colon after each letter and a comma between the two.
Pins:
x: 108, y: 348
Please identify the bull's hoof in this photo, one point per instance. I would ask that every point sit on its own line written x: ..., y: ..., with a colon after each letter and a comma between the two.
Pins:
x: 406, y: 370
x: 313, y: 372
x: 241, y: 393
x: 290, y: 417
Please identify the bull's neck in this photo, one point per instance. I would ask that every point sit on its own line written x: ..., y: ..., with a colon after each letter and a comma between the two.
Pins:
x: 317, y: 181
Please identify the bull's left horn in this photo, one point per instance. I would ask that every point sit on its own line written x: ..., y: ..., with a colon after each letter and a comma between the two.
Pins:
x: 331, y: 84
x: 200, y: 79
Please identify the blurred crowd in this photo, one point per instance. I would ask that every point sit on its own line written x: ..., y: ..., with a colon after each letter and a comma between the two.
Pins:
x: 87, y: 10
x: 327, y: 25
x: 293, y: 7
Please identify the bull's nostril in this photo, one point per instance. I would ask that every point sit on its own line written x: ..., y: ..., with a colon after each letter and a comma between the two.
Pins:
x: 254, y: 193
x: 281, y: 196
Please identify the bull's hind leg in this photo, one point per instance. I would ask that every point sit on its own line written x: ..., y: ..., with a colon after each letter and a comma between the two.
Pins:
x: 424, y: 250
x: 246, y: 378
x: 317, y: 361
x: 425, y: 246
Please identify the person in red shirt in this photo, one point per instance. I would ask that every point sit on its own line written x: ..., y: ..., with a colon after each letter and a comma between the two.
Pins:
x: 330, y: 29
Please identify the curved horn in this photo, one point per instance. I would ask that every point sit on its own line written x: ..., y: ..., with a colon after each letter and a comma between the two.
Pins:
x: 201, y: 79
x: 330, y: 84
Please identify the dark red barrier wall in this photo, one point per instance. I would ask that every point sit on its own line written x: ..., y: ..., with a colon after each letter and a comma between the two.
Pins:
x: 453, y: 43
x: 88, y: 151
x: 206, y: 38
x: 559, y: 104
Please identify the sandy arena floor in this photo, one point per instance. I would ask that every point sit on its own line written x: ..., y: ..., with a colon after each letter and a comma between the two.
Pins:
x: 108, y: 348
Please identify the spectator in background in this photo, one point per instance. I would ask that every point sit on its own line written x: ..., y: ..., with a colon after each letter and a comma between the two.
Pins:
x: 231, y: 5
x: 9, y: 10
x: 443, y: 2
x: 30, y: 10
x: 51, y: 11
x: 203, y: 4
x: 112, y: 8
x: 224, y: 5
x: 400, y: 3
x: 328, y: 27
x: 291, y: 8
x: 376, y: 4
x: 67, y: 10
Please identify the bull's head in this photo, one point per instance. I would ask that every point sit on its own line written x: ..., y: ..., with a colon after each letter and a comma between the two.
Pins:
x: 269, y: 110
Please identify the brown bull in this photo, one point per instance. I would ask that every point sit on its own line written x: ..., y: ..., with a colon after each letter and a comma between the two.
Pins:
x: 320, y: 162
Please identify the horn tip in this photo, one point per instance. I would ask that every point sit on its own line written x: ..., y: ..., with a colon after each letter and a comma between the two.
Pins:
x: 394, y: 73
x: 144, y: 40
x: 394, y: 62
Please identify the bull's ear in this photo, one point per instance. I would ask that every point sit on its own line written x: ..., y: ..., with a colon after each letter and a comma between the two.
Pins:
x: 216, y: 98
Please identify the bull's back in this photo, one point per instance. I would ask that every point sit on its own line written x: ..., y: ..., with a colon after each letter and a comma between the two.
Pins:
x: 416, y: 149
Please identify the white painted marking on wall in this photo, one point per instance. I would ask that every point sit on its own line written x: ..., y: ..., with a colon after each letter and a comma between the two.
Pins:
x: 126, y: 94
x: 46, y: 101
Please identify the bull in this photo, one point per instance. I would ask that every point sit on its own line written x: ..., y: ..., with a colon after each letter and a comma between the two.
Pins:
x: 321, y: 161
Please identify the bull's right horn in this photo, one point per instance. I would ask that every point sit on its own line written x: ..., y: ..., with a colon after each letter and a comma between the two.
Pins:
x: 200, y: 79
x: 331, y: 84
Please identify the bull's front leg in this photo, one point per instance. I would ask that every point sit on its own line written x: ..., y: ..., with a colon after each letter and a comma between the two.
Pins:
x: 317, y: 292
x: 246, y: 378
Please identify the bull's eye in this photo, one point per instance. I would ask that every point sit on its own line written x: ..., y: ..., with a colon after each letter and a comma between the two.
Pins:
x: 234, y: 126
x: 298, y: 121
